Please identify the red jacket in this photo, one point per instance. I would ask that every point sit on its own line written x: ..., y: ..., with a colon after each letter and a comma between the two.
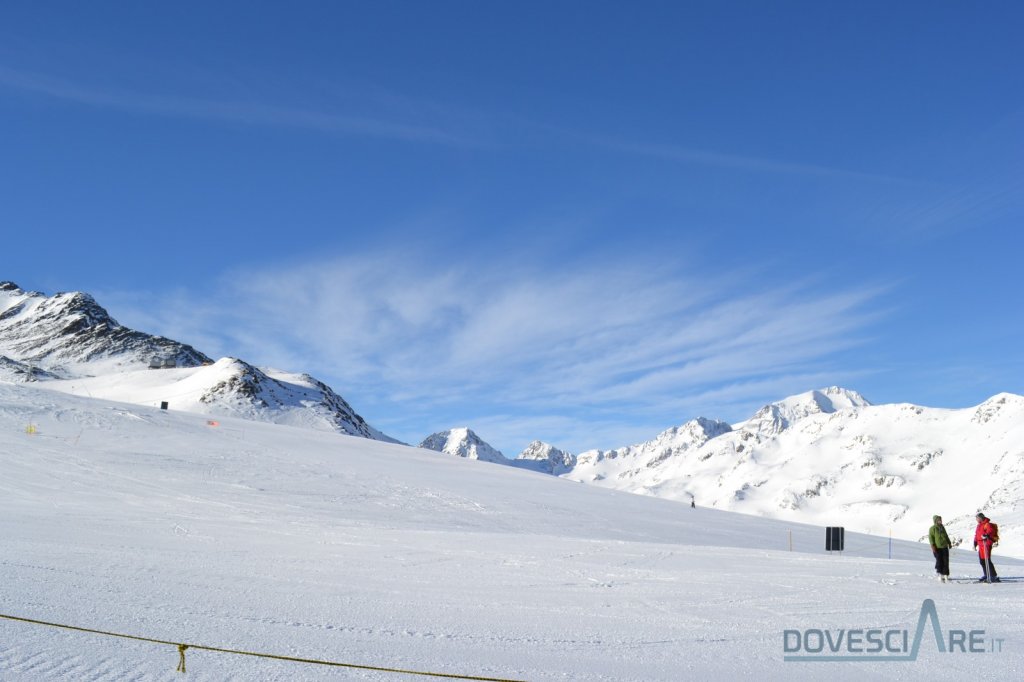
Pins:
x: 983, y: 544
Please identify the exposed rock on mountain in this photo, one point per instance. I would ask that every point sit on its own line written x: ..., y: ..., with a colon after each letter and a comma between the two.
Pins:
x: 635, y: 460
x: 462, y: 442
x: 540, y: 456
x: 69, y: 343
x: 14, y: 371
x: 69, y: 334
x: 237, y: 388
x: 830, y: 457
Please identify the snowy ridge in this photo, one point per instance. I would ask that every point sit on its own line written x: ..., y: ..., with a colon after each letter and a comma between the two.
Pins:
x: 231, y: 387
x: 72, y: 344
x: 830, y: 457
x: 633, y: 461
x: 462, y: 442
x: 69, y: 334
x: 546, y: 458
x: 776, y: 417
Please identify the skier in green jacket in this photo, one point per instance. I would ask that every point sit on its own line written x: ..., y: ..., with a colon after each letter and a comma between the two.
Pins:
x: 940, y: 543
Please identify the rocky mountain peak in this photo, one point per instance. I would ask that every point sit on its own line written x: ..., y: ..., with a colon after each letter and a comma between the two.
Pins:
x: 69, y: 338
x: 776, y: 417
x: 462, y: 442
x: 544, y: 457
x: 69, y: 334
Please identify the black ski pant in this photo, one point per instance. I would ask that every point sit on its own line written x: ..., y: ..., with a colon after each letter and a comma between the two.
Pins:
x: 942, y: 561
x: 988, y: 568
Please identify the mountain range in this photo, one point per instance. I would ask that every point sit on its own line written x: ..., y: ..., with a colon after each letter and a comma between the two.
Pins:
x: 826, y: 456
x: 73, y: 344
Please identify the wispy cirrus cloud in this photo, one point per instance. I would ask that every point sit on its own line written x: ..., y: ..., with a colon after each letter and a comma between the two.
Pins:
x: 741, y: 162
x: 585, y: 352
x: 243, y: 112
x: 435, y: 125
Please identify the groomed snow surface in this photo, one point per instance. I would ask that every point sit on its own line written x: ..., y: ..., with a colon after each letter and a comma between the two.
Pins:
x: 295, y: 542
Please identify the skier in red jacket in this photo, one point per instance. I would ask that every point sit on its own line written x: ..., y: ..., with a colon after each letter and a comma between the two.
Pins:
x: 984, y: 536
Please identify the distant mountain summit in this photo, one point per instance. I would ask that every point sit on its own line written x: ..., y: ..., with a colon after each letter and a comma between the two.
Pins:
x: 69, y: 334
x: 831, y: 457
x: 540, y: 456
x: 73, y: 345
x: 776, y: 417
x: 462, y: 442
x: 632, y: 461
x: 827, y: 456
x: 237, y: 388
x: 701, y: 440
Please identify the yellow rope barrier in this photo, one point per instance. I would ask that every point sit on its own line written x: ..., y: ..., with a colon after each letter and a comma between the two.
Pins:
x: 182, y: 647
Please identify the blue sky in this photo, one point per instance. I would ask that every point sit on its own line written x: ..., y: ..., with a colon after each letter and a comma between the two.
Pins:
x: 575, y: 221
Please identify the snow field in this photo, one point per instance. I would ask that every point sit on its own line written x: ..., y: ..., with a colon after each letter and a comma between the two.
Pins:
x: 310, y: 544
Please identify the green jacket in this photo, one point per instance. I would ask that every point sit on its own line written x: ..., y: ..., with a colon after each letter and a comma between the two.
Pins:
x: 937, y: 537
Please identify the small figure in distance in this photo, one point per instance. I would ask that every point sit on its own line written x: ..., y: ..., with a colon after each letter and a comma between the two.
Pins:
x: 939, y: 541
x: 693, y: 504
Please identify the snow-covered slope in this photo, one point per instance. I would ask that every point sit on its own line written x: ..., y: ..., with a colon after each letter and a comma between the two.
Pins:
x: 831, y: 457
x: 230, y: 387
x: 304, y: 543
x: 462, y: 442
x: 73, y: 345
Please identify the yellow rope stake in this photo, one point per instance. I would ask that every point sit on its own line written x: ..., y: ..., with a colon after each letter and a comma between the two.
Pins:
x: 183, y: 647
